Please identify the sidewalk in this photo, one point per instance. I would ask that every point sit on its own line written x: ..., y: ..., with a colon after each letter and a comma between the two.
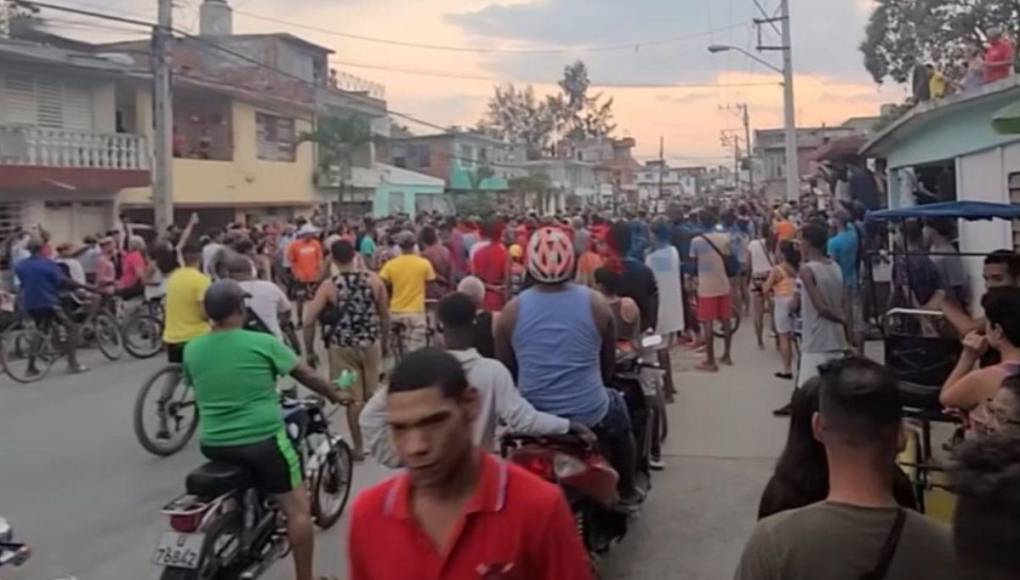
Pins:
x: 722, y: 445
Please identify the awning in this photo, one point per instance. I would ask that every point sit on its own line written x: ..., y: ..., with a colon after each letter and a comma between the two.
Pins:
x: 1006, y: 121
x: 844, y: 148
x: 968, y: 210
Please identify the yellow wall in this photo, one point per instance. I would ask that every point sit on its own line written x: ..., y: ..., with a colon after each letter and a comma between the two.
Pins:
x: 244, y: 181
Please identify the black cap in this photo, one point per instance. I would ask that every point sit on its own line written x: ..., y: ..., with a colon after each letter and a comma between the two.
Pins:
x: 224, y: 298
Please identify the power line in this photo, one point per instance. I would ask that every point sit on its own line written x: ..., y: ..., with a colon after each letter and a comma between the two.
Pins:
x: 447, y: 75
x: 635, y: 45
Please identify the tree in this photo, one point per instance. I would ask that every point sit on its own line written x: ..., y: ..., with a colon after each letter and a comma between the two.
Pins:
x: 581, y: 116
x: 902, y: 34
x: 517, y: 117
x: 338, y: 138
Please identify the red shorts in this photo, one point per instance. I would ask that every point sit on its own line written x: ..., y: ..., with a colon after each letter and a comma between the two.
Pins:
x: 712, y: 308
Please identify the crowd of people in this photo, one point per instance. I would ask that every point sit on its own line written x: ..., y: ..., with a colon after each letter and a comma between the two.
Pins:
x: 981, y: 64
x: 513, y: 322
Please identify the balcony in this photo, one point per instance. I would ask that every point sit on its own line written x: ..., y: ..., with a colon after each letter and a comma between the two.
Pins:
x: 35, y: 158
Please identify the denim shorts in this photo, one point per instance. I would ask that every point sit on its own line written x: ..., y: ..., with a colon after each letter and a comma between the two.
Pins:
x: 616, y: 423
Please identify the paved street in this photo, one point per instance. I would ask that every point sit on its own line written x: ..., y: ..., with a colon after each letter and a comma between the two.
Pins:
x: 86, y: 496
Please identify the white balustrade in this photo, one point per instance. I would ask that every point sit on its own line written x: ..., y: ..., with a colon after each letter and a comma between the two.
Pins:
x: 43, y: 147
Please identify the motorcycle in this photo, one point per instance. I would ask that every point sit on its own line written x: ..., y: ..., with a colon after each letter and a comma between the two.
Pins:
x: 223, y: 528
x: 586, y: 477
x: 582, y: 471
x: 12, y: 553
x: 641, y: 379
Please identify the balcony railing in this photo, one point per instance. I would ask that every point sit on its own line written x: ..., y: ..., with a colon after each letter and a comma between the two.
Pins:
x: 42, y: 147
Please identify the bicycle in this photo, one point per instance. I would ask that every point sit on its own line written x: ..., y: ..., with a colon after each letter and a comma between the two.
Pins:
x: 142, y: 330
x: 100, y: 326
x: 29, y: 352
x: 174, y: 409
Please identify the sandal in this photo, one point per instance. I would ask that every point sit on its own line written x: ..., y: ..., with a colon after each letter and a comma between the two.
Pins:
x: 707, y: 368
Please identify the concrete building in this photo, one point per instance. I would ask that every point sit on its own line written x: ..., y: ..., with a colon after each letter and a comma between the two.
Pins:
x: 946, y: 150
x: 616, y: 170
x: 676, y: 182
x: 241, y: 104
x: 64, y: 157
x: 770, y: 153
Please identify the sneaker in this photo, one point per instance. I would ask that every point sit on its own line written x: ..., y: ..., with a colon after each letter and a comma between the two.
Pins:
x: 656, y: 464
x: 784, y: 411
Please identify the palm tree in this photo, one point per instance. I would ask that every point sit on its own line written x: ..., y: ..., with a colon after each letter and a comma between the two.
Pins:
x: 337, y: 139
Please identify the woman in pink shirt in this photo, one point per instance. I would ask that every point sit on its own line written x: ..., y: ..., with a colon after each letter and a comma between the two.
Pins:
x: 131, y: 282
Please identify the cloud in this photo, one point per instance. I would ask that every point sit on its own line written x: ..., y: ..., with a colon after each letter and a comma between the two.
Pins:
x: 687, y: 98
x: 819, y: 45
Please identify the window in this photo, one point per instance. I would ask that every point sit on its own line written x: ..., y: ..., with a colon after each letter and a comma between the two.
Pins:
x: 46, y: 102
x: 274, y: 137
x: 1014, y: 197
x: 203, y: 128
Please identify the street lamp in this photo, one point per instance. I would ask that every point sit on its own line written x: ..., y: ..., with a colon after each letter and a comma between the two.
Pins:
x: 717, y: 48
x: 789, y: 111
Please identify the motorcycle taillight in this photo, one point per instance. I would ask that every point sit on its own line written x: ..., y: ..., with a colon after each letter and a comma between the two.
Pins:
x: 185, y: 523
x: 540, y: 465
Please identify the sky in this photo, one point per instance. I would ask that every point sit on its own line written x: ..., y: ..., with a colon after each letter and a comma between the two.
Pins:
x: 632, y: 42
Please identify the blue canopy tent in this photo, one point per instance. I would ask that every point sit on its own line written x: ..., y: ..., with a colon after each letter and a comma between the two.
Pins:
x: 967, y: 210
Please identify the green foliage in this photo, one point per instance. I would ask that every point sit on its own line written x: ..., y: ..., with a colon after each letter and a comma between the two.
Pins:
x: 579, y: 115
x: 337, y: 139
x: 534, y: 183
x: 904, y: 33
x: 518, y: 117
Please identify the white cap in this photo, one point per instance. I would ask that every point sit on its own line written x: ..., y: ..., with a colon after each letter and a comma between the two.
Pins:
x: 308, y: 229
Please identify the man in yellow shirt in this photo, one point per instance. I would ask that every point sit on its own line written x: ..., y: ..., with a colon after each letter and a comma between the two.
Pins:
x: 185, y: 316
x: 407, y: 276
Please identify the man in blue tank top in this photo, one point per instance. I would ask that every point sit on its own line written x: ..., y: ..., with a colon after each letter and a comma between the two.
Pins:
x: 559, y: 341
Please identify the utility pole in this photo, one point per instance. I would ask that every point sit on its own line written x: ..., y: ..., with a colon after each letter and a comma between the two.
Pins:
x: 662, y: 163
x: 745, y: 119
x: 790, y: 117
x: 789, y: 106
x: 750, y: 150
x: 730, y: 138
x: 162, y: 173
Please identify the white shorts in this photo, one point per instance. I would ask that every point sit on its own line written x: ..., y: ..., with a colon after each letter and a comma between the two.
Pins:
x: 782, y: 314
x: 810, y: 361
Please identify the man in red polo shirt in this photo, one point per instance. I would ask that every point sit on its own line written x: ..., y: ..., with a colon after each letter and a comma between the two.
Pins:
x: 458, y: 512
x: 998, y: 56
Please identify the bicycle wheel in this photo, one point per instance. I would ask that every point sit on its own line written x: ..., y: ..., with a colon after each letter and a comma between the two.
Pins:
x: 28, y: 354
x: 107, y: 335
x: 168, y: 402
x: 143, y: 336
x: 331, y: 484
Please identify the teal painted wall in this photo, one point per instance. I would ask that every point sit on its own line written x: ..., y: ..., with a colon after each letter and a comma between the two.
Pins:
x: 961, y: 131
x: 460, y: 178
x: 381, y: 200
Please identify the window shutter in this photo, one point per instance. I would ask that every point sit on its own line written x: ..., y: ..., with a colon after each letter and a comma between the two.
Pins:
x: 77, y: 107
x: 19, y: 97
x: 50, y: 102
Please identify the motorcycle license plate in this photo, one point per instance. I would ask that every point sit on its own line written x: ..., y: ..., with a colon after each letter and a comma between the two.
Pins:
x: 178, y: 550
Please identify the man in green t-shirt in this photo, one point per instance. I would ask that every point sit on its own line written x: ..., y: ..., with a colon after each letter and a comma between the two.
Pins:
x: 234, y: 373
